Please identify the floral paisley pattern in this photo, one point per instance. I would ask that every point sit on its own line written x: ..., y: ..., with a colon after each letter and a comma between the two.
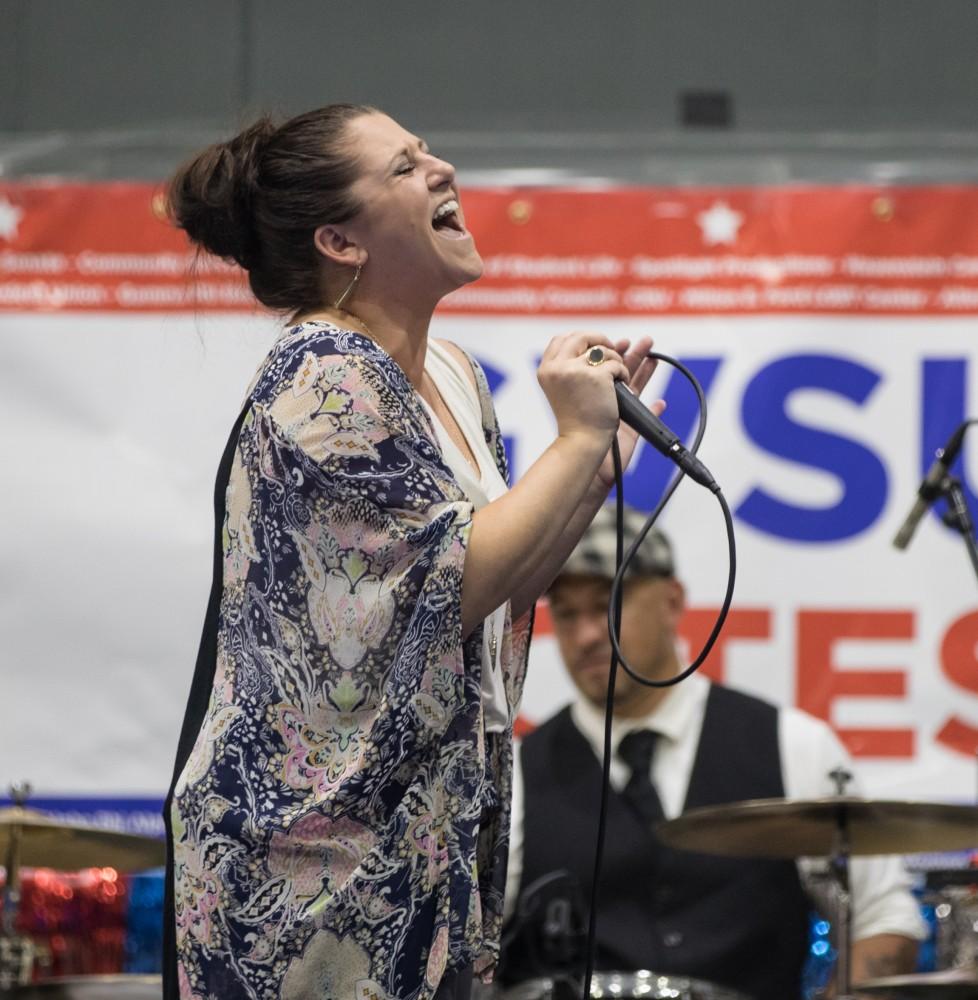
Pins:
x: 339, y: 828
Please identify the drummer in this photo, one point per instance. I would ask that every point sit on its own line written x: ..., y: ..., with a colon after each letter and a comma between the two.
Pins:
x: 740, y: 923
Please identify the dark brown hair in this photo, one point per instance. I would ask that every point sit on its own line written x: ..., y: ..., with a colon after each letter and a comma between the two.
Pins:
x: 257, y: 199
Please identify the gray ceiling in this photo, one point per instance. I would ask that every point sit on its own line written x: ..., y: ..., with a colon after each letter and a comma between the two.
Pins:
x: 879, y: 90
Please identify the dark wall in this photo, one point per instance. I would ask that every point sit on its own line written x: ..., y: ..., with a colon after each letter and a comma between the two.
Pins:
x: 553, y: 64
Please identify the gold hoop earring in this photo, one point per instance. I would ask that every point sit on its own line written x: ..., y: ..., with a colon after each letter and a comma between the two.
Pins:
x: 349, y: 288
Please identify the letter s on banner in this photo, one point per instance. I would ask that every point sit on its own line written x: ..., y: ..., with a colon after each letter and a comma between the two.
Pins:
x: 862, y: 474
x: 960, y: 664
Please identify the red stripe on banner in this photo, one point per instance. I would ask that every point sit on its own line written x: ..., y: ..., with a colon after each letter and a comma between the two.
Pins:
x: 625, y: 251
x: 105, y: 247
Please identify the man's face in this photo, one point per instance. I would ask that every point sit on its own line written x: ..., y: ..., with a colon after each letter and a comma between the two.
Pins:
x: 650, y: 612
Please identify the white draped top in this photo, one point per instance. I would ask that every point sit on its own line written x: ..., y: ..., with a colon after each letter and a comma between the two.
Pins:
x: 461, y: 398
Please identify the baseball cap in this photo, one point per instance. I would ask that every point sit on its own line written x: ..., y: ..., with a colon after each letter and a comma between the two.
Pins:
x: 594, y: 554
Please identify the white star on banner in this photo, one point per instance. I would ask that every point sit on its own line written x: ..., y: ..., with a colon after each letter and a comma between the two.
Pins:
x: 719, y: 224
x: 10, y: 216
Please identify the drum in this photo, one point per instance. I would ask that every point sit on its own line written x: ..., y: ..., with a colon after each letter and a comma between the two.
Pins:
x: 119, y: 987
x: 17, y: 956
x: 542, y: 989
x: 953, y: 894
x: 648, y: 985
x: 641, y: 985
x: 952, y: 984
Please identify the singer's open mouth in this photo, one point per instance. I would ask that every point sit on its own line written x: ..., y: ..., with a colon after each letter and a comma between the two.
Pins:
x: 447, y: 222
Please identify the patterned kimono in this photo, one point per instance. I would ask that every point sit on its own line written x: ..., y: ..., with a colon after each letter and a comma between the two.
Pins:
x: 340, y: 826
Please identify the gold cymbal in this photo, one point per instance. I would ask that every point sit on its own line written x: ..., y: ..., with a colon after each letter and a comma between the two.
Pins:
x: 97, y: 987
x: 45, y: 842
x: 949, y: 984
x: 795, y: 828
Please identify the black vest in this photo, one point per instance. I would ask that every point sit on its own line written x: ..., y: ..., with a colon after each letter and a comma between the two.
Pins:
x: 738, y: 922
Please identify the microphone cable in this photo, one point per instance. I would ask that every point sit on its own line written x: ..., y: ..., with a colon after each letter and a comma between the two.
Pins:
x: 622, y: 560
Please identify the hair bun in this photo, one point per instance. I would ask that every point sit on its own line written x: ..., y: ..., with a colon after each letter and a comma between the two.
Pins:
x: 212, y: 198
x: 259, y: 198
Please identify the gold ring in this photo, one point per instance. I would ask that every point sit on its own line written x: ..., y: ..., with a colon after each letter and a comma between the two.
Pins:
x: 595, y: 356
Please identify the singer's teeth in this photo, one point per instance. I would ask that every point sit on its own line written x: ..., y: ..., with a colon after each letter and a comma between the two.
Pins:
x: 444, y: 216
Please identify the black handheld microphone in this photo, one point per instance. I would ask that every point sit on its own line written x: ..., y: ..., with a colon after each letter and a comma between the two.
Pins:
x: 930, y: 488
x: 650, y: 427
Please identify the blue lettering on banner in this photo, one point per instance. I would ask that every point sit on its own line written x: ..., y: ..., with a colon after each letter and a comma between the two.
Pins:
x: 944, y: 408
x: 859, y: 471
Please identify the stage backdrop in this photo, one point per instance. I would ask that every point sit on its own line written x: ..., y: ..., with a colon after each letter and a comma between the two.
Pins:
x: 833, y: 329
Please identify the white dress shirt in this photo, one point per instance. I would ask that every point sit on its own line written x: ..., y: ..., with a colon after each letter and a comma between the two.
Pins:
x: 881, y: 900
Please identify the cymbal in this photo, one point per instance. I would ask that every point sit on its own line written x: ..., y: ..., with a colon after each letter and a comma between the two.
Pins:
x: 949, y: 984
x: 794, y: 828
x: 108, y: 987
x: 48, y: 843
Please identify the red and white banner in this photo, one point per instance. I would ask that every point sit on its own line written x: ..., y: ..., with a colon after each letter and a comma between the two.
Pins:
x: 835, y: 331
x: 632, y: 251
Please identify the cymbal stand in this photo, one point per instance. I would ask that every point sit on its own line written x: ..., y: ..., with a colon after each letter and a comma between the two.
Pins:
x: 16, y: 951
x: 839, y: 867
x: 840, y: 870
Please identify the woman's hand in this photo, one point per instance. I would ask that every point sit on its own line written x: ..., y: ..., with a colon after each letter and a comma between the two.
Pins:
x: 519, y: 542
x: 581, y: 394
x: 640, y: 368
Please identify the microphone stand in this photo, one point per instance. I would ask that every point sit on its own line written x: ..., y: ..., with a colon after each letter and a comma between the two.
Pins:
x: 840, y: 871
x: 958, y: 517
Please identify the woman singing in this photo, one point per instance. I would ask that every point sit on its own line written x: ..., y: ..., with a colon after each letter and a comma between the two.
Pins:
x: 340, y: 806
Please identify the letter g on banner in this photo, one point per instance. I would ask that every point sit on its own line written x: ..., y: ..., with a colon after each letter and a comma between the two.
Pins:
x: 860, y: 472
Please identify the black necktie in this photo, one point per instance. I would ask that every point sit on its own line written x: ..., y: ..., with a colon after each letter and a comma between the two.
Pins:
x: 636, y: 750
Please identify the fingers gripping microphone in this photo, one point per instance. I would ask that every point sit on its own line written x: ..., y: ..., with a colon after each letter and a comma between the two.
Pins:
x: 648, y: 426
x: 930, y: 488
